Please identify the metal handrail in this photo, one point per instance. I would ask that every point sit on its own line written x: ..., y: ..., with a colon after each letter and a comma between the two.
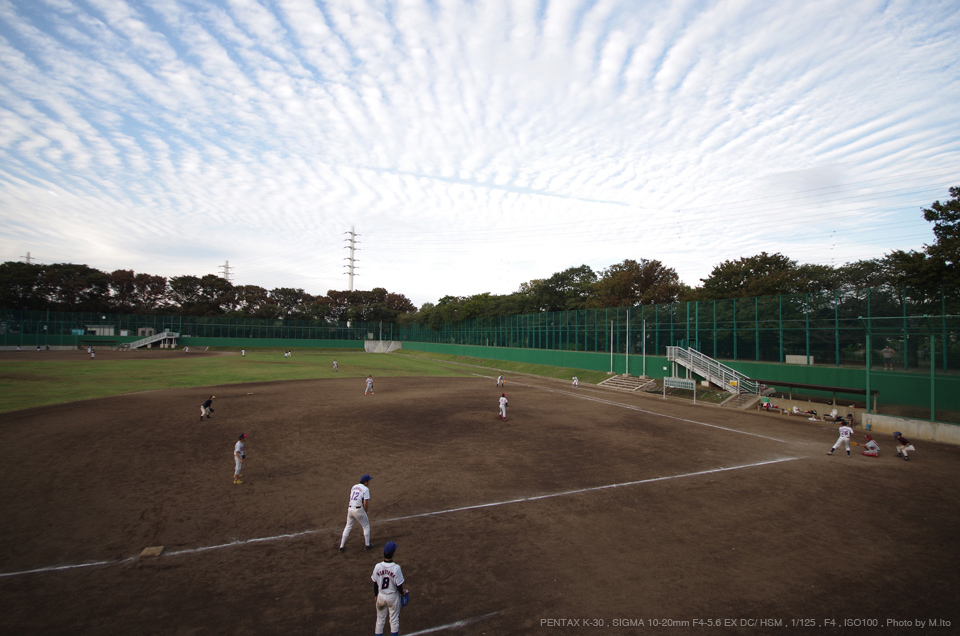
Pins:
x: 713, y: 370
x: 157, y: 336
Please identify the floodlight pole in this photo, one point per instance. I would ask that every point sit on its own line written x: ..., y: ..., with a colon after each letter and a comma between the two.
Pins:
x: 644, y: 348
x: 933, y: 379
x: 611, y: 346
x: 626, y: 354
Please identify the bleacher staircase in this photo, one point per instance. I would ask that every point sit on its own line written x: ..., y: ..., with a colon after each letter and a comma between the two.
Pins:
x: 744, y: 391
x: 626, y: 382
x: 142, y: 342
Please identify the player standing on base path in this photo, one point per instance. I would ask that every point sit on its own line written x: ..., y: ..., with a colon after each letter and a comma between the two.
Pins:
x: 369, y: 388
x: 238, y: 457
x: 357, y: 511
x: 500, y: 380
x: 503, y: 407
x: 845, y: 434
x: 388, y: 588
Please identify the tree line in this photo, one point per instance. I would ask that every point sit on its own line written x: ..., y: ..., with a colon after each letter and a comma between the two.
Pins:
x: 647, y: 282
x: 69, y: 287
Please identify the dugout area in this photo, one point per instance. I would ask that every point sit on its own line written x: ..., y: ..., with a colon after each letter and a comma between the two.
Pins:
x: 587, y: 504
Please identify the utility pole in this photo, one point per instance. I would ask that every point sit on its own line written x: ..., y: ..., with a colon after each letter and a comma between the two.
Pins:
x: 352, y: 246
x: 27, y: 258
x: 226, y: 270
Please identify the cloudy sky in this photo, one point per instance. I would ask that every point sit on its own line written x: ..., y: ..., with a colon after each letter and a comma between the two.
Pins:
x: 473, y: 145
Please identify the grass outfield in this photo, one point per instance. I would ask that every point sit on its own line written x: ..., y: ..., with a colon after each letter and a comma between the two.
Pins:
x: 27, y: 383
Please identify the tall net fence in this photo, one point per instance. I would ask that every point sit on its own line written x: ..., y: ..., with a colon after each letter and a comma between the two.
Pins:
x: 40, y: 328
x: 822, y: 328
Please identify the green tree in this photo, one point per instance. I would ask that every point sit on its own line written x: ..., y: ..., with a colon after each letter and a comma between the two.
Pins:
x: 185, y: 293
x: 569, y: 289
x: 760, y: 275
x: 149, y: 292
x: 643, y: 282
x: 122, y: 288
x: 70, y: 287
x: 946, y: 228
x: 20, y: 286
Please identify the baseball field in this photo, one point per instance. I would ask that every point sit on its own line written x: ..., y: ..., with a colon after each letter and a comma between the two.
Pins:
x: 589, y: 511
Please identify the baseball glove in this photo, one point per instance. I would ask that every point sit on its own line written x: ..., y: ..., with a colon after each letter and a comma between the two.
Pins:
x: 855, y: 444
x: 243, y: 455
x: 404, y: 599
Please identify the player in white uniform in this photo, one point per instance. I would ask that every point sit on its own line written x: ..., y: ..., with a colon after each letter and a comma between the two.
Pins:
x: 388, y: 587
x: 357, y: 511
x: 369, y: 388
x: 238, y: 457
x: 503, y: 407
x: 243, y: 353
x: 845, y: 433
x: 872, y: 449
x: 335, y: 367
x: 500, y: 381
x: 576, y: 381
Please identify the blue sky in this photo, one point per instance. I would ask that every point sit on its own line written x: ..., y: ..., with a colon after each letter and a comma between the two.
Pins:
x: 473, y: 146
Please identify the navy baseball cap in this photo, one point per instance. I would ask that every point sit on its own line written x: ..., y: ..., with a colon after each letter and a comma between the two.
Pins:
x: 389, y: 548
x: 365, y: 478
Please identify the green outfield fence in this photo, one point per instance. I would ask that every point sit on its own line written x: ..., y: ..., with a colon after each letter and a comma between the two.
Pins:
x: 828, y: 328
x: 796, y: 338
x: 29, y: 329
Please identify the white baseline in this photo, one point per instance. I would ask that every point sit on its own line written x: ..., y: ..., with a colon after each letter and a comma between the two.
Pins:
x: 303, y: 533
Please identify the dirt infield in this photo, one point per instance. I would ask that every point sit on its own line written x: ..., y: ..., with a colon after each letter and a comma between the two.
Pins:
x: 587, y: 512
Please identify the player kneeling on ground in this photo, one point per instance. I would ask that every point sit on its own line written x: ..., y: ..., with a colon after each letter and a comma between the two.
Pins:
x: 871, y: 448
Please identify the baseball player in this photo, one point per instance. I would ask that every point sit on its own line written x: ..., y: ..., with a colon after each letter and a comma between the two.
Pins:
x: 503, y: 407
x: 238, y: 457
x: 576, y: 382
x: 335, y: 367
x: 388, y: 588
x: 871, y: 448
x: 243, y: 353
x: 369, y: 388
x: 903, y: 445
x: 500, y: 381
x: 357, y: 511
x: 207, y: 407
x: 845, y: 433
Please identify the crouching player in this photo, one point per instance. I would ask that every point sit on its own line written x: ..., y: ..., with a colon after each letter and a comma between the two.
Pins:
x: 870, y: 447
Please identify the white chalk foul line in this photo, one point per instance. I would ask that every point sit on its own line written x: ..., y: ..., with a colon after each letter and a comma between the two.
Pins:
x: 463, y: 623
x: 592, y: 489
x: 56, y: 568
x: 638, y: 409
x: 293, y: 535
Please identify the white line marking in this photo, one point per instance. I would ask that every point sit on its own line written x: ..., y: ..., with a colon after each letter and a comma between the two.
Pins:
x: 637, y: 408
x: 293, y: 535
x: 57, y: 568
x: 592, y: 489
x: 463, y: 623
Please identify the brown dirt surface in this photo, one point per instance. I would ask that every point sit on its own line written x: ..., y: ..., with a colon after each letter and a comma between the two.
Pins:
x: 587, y: 505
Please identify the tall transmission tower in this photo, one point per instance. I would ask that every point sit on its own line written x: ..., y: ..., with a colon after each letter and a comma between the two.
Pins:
x: 27, y: 258
x: 352, y: 262
x: 226, y: 270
